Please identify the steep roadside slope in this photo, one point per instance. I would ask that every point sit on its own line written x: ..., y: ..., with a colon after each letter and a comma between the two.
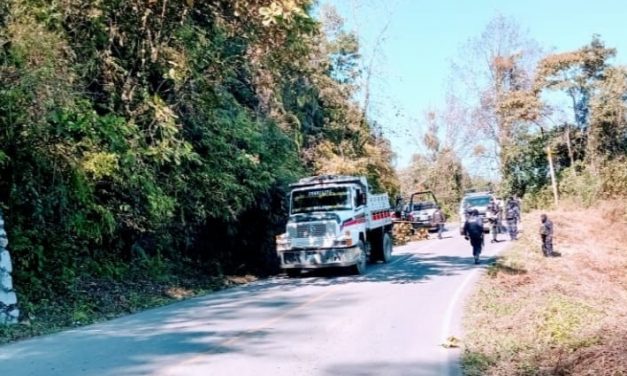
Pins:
x: 559, y: 316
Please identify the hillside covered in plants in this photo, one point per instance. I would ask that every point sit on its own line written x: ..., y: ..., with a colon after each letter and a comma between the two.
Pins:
x: 151, y: 141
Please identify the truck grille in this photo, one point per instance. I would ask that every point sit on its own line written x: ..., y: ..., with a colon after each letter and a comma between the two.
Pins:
x: 305, y: 230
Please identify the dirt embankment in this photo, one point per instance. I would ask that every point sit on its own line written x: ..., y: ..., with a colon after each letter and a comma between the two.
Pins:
x: 557, y: 316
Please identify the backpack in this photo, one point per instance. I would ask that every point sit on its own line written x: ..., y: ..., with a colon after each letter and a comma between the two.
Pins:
x: 474, y: 227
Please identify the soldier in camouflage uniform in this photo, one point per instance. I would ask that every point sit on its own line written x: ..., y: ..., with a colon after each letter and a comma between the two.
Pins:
x: 546, y: 233
x: 494, y: 216
x: 439, y: 219
x: 512, y: 215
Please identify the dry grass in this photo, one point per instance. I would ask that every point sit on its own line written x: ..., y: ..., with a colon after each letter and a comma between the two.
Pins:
x: 178, y: 293
x: 557, y: 316
x: 240, y: 279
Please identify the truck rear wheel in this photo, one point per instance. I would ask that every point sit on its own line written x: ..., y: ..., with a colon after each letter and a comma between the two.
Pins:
x: 386, y: 253
x: 360, y: 267
x: 382, y: 248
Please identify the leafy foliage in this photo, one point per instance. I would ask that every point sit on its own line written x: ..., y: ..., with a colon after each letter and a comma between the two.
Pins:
x: 598, y: 92
x: 167, y: 130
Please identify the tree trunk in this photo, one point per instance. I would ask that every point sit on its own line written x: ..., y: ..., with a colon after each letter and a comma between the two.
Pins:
x: 570, y: 147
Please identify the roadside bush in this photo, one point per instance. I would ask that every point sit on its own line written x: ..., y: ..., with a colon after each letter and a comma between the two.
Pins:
x: 538, y: 200
x: 614, y: 178
x: 582, y: 186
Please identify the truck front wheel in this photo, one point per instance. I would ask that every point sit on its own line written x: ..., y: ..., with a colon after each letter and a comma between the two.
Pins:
x: 360, y: 267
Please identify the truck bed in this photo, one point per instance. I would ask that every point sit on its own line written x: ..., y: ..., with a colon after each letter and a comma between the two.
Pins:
x: 379, y: 208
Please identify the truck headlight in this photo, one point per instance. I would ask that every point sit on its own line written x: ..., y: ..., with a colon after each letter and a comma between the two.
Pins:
x: 282, y: 242
x: 345, y: 240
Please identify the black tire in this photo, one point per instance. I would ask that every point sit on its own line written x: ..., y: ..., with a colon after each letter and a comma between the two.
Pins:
x: 360, y: 267
x: 381, y: 248
x: 293, y: 273
x: 386, y: 253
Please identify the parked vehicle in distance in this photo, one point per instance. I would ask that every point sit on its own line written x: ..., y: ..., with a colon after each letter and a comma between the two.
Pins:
x: 420, y: 210
x: 335, y: 222
x: 475, y: 200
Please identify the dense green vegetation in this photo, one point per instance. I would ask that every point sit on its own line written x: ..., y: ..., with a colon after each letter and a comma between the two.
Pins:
x: 150, y: 137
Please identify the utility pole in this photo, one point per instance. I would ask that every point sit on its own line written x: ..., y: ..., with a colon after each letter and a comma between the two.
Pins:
x: 549, y: 156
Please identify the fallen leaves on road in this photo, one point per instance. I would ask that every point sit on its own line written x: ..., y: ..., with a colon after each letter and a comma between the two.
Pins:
x: 452, y: 342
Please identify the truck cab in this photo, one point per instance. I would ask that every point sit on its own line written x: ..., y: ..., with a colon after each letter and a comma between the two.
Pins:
x: 334, y: 222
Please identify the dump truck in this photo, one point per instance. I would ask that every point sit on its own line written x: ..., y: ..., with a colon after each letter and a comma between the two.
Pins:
x: 334, y: 221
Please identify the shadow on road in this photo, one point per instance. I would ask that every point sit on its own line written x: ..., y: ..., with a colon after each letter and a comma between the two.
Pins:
x: 220, y: 323
x: 387, y: 368
x: 414, y: 268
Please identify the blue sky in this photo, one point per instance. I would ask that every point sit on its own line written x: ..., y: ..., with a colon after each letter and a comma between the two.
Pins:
x: 424, y: 36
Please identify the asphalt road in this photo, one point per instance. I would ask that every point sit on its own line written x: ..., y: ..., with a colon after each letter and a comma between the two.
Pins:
x: 390, y: 321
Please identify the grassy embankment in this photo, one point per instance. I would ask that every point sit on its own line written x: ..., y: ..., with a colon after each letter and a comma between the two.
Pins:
x: 558, y: 316
x: 137, y: 288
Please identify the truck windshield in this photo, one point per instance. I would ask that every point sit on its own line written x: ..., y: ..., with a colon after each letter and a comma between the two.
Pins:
x: 424, y: 206
x: 326, y: 199
x: 477, y: 201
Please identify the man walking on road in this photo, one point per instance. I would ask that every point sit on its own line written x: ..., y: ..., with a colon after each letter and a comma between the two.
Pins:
x: 439, y: 219
x: 473, y: 231
x: 546, y: 233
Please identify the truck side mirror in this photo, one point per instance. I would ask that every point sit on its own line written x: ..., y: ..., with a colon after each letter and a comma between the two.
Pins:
x: 362, y: 200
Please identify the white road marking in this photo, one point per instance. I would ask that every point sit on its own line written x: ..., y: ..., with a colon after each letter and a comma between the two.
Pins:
x: 447, y: 367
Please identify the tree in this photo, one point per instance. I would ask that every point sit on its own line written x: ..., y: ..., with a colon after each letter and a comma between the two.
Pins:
x: 496, y: 64
x: 163, y: 129
x: 439, y: 168
x: 607, y: 135
x: 578, y: 74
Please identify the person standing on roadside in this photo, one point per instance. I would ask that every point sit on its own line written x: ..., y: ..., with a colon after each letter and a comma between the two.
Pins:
x: 398, y: 208
x: 439, y: 219
x: 546, y: 234
x: 473, y: 231
x: 512, y: 215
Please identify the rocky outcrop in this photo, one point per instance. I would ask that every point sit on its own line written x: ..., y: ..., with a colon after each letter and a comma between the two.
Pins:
x: 8, y: 300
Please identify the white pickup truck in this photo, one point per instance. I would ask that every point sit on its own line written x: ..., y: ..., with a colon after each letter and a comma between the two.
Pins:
x: 335, y: 222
